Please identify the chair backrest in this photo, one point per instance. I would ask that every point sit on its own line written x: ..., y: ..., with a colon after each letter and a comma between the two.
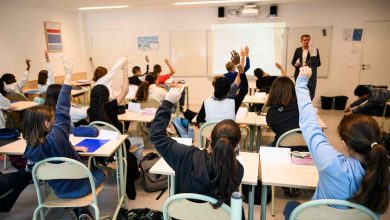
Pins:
x: 291, y: 138
x: 180, y: 207
x: 151, y: 103
x: 104, y: 125
x: 204, y: 131
x: 47, y: 169
x: 322, y: 210
x: 15, y: 97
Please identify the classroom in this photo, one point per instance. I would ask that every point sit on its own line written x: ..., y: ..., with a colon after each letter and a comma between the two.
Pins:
x: 238, y: 102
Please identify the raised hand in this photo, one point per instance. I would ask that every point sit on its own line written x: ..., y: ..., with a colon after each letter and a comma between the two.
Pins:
x: 125, y: 66
x: 246, y: 51
x: 46, y: 55
x: 305, y: 71
x: 147, y: 58
x: 278, y: 65
x: 68, y: 65
x: 166, y: 61
x: 235, y: 57
x: 174, y: 94
x: 28, y: 64
x: 242, y: 53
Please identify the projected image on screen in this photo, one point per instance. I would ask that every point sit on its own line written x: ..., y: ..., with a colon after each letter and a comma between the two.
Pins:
x: 266, y: 42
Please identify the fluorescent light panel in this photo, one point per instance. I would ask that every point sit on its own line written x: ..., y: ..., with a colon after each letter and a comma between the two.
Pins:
x: 104, y: 7
x: 216, y: 2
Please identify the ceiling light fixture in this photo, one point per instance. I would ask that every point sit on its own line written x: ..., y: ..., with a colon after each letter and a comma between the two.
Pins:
x: 217, y: 2
x: 103, y: 7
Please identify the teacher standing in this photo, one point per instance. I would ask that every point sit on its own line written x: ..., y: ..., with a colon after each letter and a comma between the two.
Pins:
x: 307, y: 56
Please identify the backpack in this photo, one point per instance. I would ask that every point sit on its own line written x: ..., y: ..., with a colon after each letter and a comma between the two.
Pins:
x: 140, y: 214
x: 245, y: 193
x: 152, y: 182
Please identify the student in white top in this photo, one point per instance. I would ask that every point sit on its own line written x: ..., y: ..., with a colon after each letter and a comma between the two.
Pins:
x: 52, y: 93
x: 149, y: 89
x: 222, y: 105
x: 10, y: 83
x: 45, y: 77
x: 101, y: 77
x: 5, y: 104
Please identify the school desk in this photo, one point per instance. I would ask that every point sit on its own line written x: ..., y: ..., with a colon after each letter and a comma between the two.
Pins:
x: 22, y: 105
x: 107, y: 150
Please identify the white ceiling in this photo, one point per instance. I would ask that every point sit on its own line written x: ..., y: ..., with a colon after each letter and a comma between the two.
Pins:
x: 74, y: 4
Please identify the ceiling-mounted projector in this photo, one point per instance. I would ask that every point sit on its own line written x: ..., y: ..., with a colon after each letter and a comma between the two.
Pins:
x: 249, y: 11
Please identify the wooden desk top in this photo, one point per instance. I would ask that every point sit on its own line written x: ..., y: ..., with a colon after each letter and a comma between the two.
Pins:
x: 22, y: 105
x: 76, y: 92
x: 81, y: 82
x: 254, y: 100
x: 261, y: 121
x: 18, y: 147
x: 137, y: 117
x: 249, y: 119
x: 285, y: 173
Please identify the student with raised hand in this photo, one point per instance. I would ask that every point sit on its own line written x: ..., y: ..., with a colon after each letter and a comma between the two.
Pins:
x: 10, y: 83
x: 52, y: 94
x: 101, y: 77
x: 45, y: 77
x: 5, y: 104
x: 102, y: 109
x: 361, y: 173
x: 138, y: 75
x: 231, y: 67
x: 264, y: 80
x: 47, y: 135
x: 220, y: 106
x: 161, y: 78
x: 149, y: 89
x: 213, y: 172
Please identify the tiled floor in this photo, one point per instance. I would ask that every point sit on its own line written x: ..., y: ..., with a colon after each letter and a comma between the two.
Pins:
x: 26, y: 203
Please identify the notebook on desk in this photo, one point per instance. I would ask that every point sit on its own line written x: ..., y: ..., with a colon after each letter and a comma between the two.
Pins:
x: 92, y: 144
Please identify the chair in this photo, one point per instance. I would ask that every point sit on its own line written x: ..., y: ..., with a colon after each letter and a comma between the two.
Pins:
x: 322, y: 210
x: 15, y: 97
x: 178, y: 206
x: 204, y: 132
x: 291, y: 138
x: 70, y: 169
x: 385, y: 116
x: 244, y: 135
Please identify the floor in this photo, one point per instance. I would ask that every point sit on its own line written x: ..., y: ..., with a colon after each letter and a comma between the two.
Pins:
x: 26, y: 203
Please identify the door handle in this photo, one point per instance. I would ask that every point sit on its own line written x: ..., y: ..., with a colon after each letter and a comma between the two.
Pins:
x: 366, y: 66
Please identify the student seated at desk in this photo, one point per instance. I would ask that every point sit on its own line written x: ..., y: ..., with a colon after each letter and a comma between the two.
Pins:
x: 5, y: 104
x: 101, y: 109
x: 161, y: 78
x: 101, y: 77
x: 370, y: 102
x: 138, y: 75
x: 47, y: 135
x: 11, y: 185
x: 149, y: 89
x: 361, y: 173
x: 220, y: 106
x: 10, y: 84
x: 213, y: 172
x: 52, y: 94
x: 45, y: 77
x: 283, y: 114
x: 264, y: 80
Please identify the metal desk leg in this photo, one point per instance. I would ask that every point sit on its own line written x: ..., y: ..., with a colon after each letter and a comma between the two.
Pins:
x: 251, y: 202
x: 251, y: 137
x: 263, y: 213
x: 171, y: 185
x: 258, y: 138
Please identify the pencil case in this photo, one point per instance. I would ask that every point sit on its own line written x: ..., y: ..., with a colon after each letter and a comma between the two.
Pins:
x: 86, y: 131
x: 301, y: 158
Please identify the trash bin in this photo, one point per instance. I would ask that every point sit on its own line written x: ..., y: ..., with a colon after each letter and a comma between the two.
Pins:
x: 340, y: 102
x: 326, y: 102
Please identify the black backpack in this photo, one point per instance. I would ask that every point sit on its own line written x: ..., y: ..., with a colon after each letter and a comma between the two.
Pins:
x: 245, y: 192
x: 152, y: 182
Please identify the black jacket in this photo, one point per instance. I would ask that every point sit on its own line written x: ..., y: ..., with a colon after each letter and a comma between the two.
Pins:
x: 191, y: 165
x: 298, y: 55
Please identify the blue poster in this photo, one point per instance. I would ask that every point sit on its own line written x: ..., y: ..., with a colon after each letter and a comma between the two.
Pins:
x: 148, y: 42
x: 357, y: 34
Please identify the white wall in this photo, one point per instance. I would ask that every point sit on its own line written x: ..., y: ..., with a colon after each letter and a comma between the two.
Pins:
x: 342, y: 78
x: 22, y: 36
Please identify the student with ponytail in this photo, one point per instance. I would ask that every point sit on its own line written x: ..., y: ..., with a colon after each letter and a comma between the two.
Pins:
x: 213, y: 172
x: 149, y: 89
x: 361, y: 173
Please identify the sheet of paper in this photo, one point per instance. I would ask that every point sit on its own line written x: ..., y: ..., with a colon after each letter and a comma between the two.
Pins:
x: 275, y: 155
x: 132, y: 91
x: 261, y: 95
x: 185, y: 141
x: 241, y: 113
x: 134, y: 107
x: 108, y: 135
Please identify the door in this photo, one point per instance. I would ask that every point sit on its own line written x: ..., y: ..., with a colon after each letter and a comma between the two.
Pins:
x: 376, y: 54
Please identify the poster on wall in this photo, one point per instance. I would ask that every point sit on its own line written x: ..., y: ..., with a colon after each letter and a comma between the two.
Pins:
x: 53, y: 36
x: 148, y: 42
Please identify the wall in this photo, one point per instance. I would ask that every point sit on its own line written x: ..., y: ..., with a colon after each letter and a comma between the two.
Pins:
x: 344, y: 66
x: 22, y: 36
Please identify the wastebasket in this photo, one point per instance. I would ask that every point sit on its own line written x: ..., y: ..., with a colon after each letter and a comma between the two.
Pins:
x: 340, y: 102
x: 326, y: 102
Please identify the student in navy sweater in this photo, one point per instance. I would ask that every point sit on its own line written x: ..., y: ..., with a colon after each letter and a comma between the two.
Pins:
x: 47, y: 135
x: 213, y: 172
x: 231, y: 66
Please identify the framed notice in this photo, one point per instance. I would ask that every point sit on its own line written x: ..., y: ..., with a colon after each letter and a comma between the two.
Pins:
x: 53, y: 36
x: 148, y: 42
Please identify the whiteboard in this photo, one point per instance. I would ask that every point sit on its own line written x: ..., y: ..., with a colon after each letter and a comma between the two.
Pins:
x: 319, y: 39
x: 189, y: 52
x: 266, y: 42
